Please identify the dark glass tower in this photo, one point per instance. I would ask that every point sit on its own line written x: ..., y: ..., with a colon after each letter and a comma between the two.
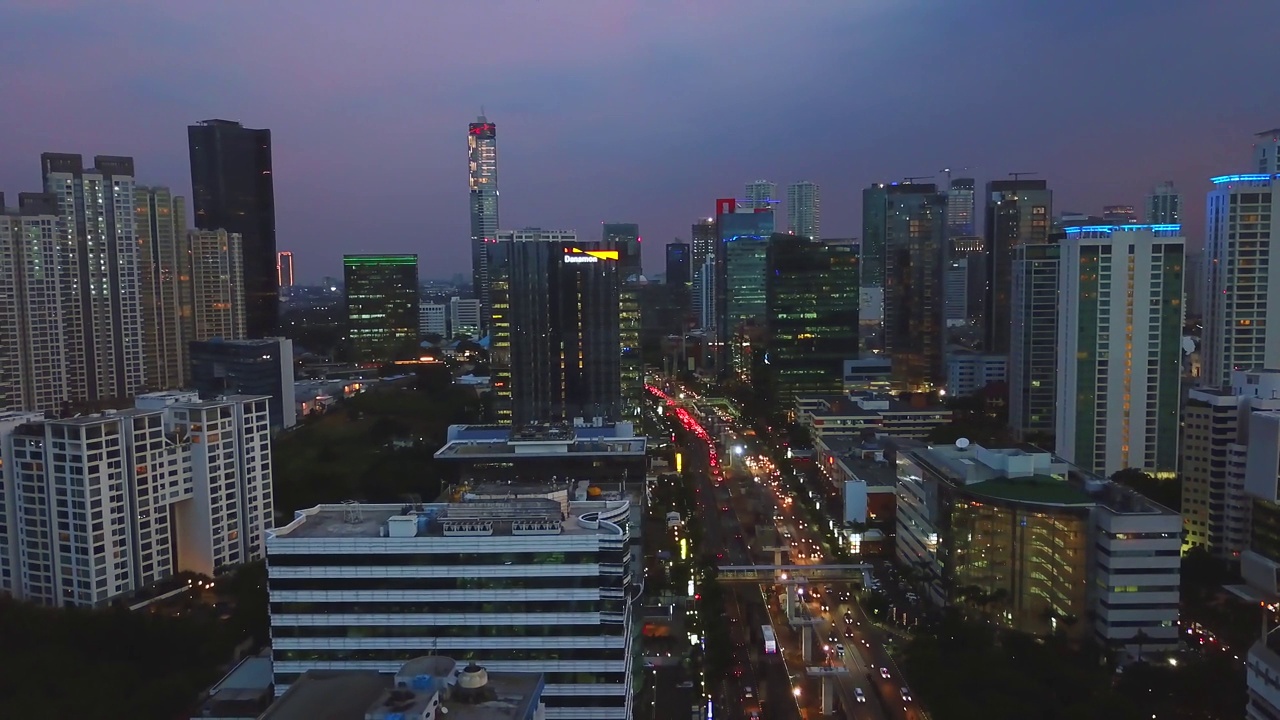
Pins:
x: 232, y: 190
x: 914, y: 233
x: 626, y: 236
x: 678, y: 264
x: 565, y: 337
x: 382, y: 305
x: 1018, y: 213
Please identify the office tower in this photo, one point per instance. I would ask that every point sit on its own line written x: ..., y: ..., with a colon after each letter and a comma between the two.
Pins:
x: 955, y: 292
x: 482, y: 153
x: 625, y: 238
x: 464, y: 317
x: 1120, y: 348
x: 804, y: 209
x: 704, y: 294
x: 499, y: 329
x: 161, y: 220
x: 102, y: 322
x: 1023, y: 526
x: 1018, y: 213
x: 746, y: 266
x: 631, y: 367
x: 218, y: 302
x: 1242, y: 277
x: 875, y: 203
x: 284, y: 269
x: 760, y: 195
x: 1119, y: 215
x: 564, y: 330
x: 703, y: 237
x: 914, y: 232
x: 1164, y: 205
x: 961, y: 218
x: 261, y: 366
x: 751, y: 227
x: 811, y: 317
x: 555, y: 591
x: 1194, y: 279
x: 971, y: 250
x: 1216, y: 447
x: 35, y: 261
x: 382, y: 305
x: 233, y: 190
x: 189, y: 489
x: 678, y: 264
x: 433, y: 319
x: 1033, y: 345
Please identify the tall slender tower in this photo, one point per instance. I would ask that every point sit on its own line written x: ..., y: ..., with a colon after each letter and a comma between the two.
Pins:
x: 760, y: 194
x: 232, y: 189
x: 103, y: 317
x: 482, y: 153
x: 162, y: 229
x: 804, y: 209
x: 1018, y: 213
x: 703, y: 239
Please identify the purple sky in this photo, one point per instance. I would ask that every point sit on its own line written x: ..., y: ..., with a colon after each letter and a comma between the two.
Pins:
x: 637, y: 111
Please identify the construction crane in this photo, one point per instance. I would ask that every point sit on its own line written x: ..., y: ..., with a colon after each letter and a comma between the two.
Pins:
x: 1018, y: 175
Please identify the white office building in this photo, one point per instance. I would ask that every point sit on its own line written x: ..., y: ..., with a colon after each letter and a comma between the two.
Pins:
x: 433, y: 319
x: 804, y: 209
x: 100, y: 505
x: 464, y: 317
x: 968, y: 372
x: 525, y: 582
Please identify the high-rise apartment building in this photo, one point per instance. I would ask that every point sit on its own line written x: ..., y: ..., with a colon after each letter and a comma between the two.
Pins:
x: 1120, y: 348
x: 530, y: 580
x: 284, y: 269
x: 259, y: 367
x: 1033, y: 345
x: 218, y: 303
x: 1215, y: 450
x: 164, y: 276
x: 1242, y: 276
x: 103, y: 325
x: 961, y: 218
x: 1164, y: 205
x: 913, y: 233
x: 464, y: 317
x: 382, y: 305
x: 482, y: 154
x: 1018, y: 213
x: 564, y: 328
x: 36, y: 272
x: 811, y: 315
x: 804, y: 209
x: 703, y: 237
x: 760, y: 195
x: 233, y: 190
x: 679, y: 265
x: 625, y: 237
x: 101, y: 505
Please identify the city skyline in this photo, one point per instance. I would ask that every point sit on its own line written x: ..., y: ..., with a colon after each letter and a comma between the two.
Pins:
x: 661, y: 166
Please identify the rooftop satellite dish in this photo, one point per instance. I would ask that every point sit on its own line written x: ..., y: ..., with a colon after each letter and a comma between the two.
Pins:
x: 962, y: 443
x: 1188, y: 345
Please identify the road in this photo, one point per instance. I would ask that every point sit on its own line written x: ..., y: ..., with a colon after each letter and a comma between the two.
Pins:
x: 758, y: 495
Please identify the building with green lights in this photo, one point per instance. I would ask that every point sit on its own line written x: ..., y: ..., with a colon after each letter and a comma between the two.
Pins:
x: 811, y: 318
x: 746, y: 263
x: 382, y: 306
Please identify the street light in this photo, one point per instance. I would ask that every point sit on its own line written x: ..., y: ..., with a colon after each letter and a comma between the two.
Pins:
x: 795, y: 691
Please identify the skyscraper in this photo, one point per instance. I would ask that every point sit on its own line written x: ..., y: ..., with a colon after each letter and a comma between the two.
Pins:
x: 961, y: 221
x: 875, y: 200
x: 1018, y: 213
x: 760, y: 195
x: 217, y: 298
x: 382, y: 305
x: 626, y: 238
x: 736, y: 223
x: 565, y: 336
x: 970, y: 251
x: 164, y: 275
x: 34, y: 373
x: 1242, y: 276
x: 1164, y: 205
x: 1119, y: 348
x: 284, y: 269
x: 678, y: 264
x: 804, y: 209
x: 482, y: 153
x: 102, y: 322
x: 914, y: 232
x: 1033, y: 343
x: 233, y: 190
x: 703, y: 239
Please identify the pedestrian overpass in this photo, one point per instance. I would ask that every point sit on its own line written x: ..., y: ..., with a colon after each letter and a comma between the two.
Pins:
x: 773, y: 573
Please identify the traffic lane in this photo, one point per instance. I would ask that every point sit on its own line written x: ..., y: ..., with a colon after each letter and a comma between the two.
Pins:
x: 675, y: 694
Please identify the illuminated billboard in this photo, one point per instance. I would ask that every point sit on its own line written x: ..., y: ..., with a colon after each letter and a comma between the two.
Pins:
x: 578, y: 255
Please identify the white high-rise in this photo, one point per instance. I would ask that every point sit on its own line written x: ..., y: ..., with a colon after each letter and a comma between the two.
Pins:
x: 33, y: 366
x: 464, y: 317
x: 1119, y: 348
x: 102, y: 315
x: 804, y: 209
x: 101, y: 505
x: 535, y: 582
x: 760, y: 194
x: 1241, y: 275
x: 433, y: 319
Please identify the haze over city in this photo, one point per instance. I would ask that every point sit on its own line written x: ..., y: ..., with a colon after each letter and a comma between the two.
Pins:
x: 636, y: 112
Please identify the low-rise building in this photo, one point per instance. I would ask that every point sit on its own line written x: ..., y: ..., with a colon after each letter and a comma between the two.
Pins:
x: 604, y: 453
x: 262, y: 366
x: 968, y: 371
x: 869, y: 413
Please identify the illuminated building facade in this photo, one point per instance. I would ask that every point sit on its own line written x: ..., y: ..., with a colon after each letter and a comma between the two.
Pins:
x: 703, y: 238
x: 284, y: 269
x: 164, y: 275
x: 804, y: 209
x: 482, y: 153
x: 743, y: 234
x: 34, y: 372
x: 961, y: 218
x: 382, y: 305
x: 217, y: 298
x: 1033, y: 347
x: 1018, y: 213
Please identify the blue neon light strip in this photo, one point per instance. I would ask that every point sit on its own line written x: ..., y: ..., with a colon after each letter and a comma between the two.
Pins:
x: 1170, y: 228
x: 1240, y: 178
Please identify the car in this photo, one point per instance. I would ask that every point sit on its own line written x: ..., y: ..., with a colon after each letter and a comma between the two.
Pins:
x: 861, y: 696
x: 848, y: 618
x: 848, y: 632
x: 839, y: 649
x: 748, y: 692
x: 831, y: 638
x: 686, y: 684
x: 884, y: 673
x: 906, y: 695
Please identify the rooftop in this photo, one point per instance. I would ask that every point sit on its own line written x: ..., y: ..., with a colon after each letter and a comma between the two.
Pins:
x: 480, y: 441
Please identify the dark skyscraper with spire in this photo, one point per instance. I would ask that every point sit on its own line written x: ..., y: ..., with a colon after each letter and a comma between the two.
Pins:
x: 482, y: 151
x: 232, y: 190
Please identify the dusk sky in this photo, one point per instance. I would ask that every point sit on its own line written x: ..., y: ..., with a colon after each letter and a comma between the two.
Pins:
x: 638, y: 111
